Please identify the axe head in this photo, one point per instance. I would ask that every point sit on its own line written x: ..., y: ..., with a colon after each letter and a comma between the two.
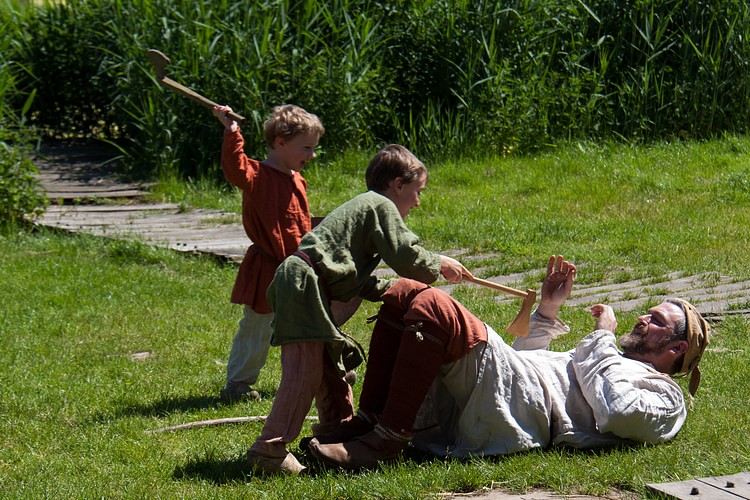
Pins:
x: 159, y: 61
x: 520, y: 325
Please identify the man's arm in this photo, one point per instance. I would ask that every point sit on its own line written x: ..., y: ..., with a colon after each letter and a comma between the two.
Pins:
x: 544, y: 324
x: 628, y: 398
x: 541, y: 332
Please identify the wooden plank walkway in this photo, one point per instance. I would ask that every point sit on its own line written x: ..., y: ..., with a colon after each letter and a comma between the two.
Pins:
x: 198, y: 231
x: 715, y: 296
x: 732, y: 487
x: 82, y: 171
x: 78, y: 175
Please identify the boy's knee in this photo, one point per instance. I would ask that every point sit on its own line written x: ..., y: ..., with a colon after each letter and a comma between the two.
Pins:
x: 432, y: 305
x: 402, y: 293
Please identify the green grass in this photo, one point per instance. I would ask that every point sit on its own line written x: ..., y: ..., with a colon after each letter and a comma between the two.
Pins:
x: 76, y: 408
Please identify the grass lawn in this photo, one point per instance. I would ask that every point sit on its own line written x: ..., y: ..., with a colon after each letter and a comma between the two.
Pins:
x: 103, y: 341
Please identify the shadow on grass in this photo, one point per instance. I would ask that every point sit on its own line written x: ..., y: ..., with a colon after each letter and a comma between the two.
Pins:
x: 216, y: 471
x: 220, y: 471
x: 161, y: 408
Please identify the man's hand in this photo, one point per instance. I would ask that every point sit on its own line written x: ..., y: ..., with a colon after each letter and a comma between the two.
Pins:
x: 556, y: 286
x: 453, y: 270
x: 605, y: 317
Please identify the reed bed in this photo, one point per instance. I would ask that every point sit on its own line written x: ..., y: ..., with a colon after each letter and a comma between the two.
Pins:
x: 450, y: 78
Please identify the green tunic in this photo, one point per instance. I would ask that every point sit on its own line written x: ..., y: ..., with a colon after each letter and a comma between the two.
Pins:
x: 345, y: 247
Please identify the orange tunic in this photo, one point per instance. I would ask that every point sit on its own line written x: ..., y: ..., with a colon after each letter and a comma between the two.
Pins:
x: 275, y: 215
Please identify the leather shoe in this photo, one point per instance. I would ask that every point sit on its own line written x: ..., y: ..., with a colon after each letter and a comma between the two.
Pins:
x: 269, y: 466
x: 346, y: 431
x: 364, y: 452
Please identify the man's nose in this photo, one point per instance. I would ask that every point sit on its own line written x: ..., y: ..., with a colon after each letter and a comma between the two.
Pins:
x: 643, y: 322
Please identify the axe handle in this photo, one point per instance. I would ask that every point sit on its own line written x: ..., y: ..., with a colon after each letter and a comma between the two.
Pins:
x: 168, y: 82
x: 497, y: 286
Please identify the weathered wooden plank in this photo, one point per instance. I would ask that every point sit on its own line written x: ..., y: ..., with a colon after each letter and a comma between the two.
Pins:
x: 196, y: 233
x: 616, y: 292
x: 144, y: 218
x: 114, y: 208
x: 78, y: 195
x: 738, y: 484
x: 225, y: 252
x: 692, y: 490
x: 174, y: 222
x: 239, y: 244
x: 191, y: 231
x: 132, y: 220
x: 228, y: 243
x: 104, y: 187
x: 732, y: 487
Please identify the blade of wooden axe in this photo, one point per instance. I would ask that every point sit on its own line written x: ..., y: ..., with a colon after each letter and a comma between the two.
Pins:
x: 160, y: 62
x: 520, y: 325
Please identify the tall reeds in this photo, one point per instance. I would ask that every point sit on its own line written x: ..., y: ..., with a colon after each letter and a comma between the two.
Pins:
x: 445, y: 77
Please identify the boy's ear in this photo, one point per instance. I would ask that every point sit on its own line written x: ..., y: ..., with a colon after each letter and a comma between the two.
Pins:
x: 278, y: 142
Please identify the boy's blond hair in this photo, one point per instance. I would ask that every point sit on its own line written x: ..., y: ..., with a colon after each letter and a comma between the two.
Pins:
x: 391, y: 162
x: 288, y: 121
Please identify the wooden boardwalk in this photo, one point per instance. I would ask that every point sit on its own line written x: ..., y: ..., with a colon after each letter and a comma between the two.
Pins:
x: 77, y: 171
x: 86, y: 196
x: 165, y: 224
x: 732, y: 487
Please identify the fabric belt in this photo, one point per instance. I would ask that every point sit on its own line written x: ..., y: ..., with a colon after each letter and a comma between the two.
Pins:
x: 302, y: 255
x: 255, y: 248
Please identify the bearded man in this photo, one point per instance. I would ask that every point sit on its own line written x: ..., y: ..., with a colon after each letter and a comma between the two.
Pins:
x: 488, y: 398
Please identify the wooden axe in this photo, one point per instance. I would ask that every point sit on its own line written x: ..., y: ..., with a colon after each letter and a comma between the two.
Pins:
x: 160, y: 61
x: 520, y: 325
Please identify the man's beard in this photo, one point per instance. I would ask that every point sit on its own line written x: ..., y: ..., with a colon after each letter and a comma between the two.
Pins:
x: 635, y: 343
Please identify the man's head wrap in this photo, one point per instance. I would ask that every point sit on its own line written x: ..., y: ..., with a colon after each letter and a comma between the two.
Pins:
x: 698, y: 334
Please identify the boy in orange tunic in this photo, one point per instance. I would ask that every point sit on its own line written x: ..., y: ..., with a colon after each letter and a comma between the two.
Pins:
x: 275, y: 215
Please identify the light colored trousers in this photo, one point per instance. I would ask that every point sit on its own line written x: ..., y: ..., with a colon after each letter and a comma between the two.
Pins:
x: 250, y: 347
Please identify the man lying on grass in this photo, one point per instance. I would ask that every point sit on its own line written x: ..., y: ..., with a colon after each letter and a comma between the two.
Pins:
x: 491, y: 399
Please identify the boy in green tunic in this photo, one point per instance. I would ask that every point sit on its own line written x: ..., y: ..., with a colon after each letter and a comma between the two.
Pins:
x: 335, y: 262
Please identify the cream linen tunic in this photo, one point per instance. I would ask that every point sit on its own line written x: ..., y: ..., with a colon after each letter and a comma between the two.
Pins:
x: 500, y: 400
